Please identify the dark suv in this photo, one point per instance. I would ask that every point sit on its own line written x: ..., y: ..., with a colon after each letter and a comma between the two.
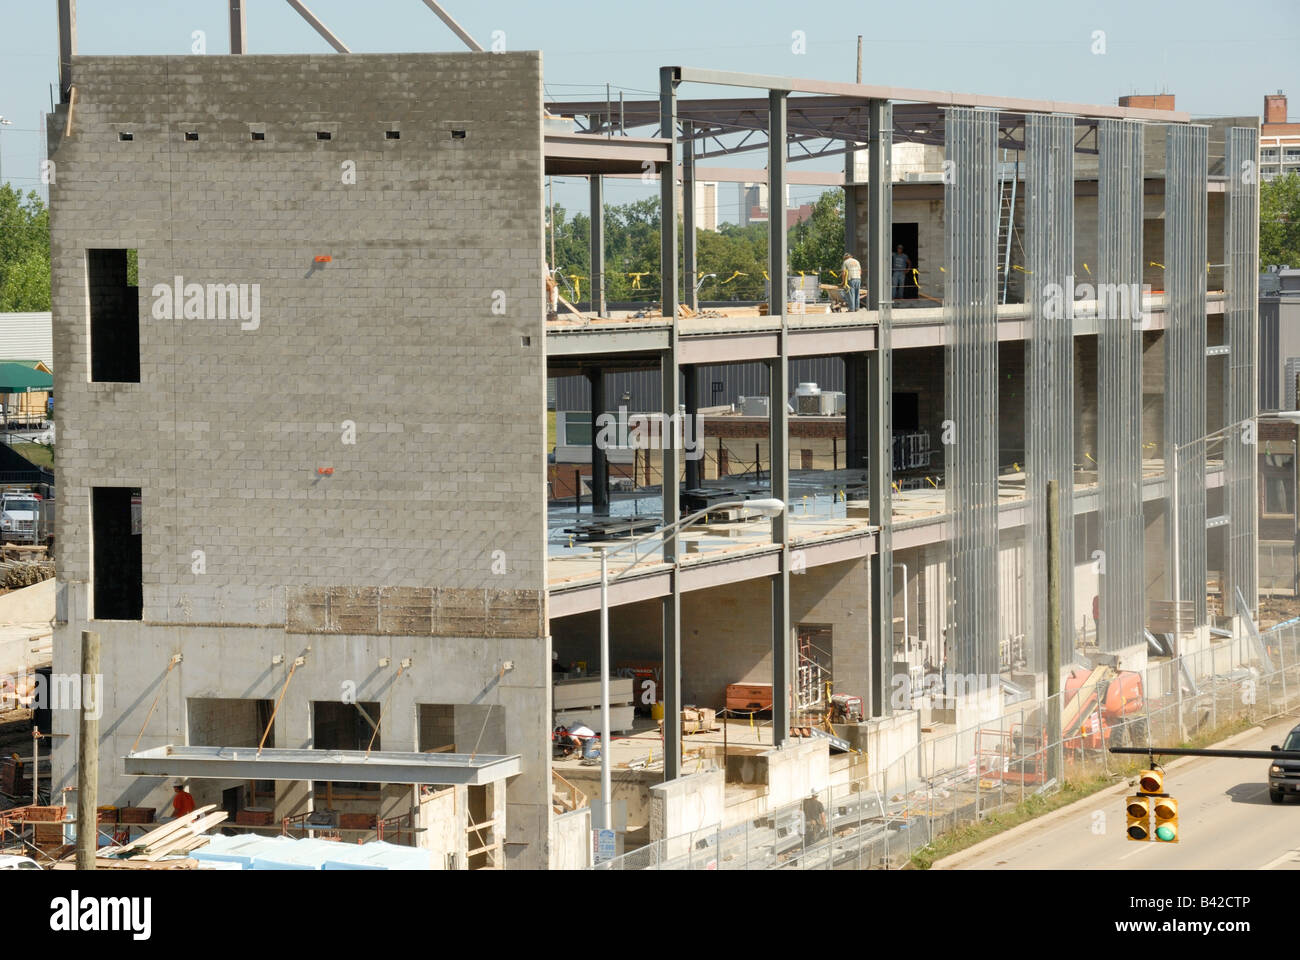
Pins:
x: 1284, y: 775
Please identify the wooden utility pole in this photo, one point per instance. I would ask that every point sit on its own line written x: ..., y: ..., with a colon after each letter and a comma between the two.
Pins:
x: 88, y: 757
x: 1053, y: 630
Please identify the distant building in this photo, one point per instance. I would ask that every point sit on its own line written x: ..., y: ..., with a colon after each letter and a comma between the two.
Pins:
x: 1279, y: 141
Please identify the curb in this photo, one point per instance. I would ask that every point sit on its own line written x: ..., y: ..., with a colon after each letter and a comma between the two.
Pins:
x: 1120, y: 789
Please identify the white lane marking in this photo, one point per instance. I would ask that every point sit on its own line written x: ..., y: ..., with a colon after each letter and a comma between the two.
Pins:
x: 1146, y: 846
x: 1288, y: 857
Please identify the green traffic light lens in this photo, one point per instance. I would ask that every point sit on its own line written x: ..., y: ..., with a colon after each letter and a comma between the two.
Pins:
x: 1166, y: 833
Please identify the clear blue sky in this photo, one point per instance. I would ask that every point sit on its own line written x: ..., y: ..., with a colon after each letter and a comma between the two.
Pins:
x: 1219, y: 59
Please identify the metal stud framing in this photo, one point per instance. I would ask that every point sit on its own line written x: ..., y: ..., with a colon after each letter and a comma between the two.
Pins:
x: 1119, y: 384
x: 1049, y: 365
x: 1186, y: 164
x: 971, y: 389
x: 1241, y: 232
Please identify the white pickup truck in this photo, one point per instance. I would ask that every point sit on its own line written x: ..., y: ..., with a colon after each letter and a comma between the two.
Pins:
x: 25, y: 517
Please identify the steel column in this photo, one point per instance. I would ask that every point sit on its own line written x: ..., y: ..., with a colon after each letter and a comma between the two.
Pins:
x: 670, y: 388
x: 599, y: 459
x: 67, y: 46
x: 778, y: 397
x: 598, y: 245
x: 691, y: 375
x: 238, y: 27
x: 971, y: 391
x: 688, y: 214
x: 1241, y: 400
x: 1119, y: 384
x: 880, y: 415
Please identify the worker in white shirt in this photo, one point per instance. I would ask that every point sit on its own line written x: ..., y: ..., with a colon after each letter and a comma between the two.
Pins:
x: 851, y: 277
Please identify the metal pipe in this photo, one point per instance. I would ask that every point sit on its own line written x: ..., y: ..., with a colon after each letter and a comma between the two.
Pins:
x: 606, y: 801
x: 319, y: 27
x: 456, y: 28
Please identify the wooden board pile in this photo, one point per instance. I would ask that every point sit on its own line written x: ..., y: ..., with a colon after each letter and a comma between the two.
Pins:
x: 174, y: 838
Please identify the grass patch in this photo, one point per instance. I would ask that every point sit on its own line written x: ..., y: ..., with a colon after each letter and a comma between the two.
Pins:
x: 37, y: 453
x: 953, y: 841
x: 946, y: 844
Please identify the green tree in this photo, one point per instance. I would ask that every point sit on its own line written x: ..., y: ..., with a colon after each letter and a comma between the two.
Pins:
x: 24, y: 251
x: 1279, y: 221
x: 817, y: 244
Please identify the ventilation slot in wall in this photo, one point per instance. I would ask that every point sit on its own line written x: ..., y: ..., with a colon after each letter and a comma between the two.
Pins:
x: 323, y: 135
x: 458, y: 134
x: 124, y: 135
x: 191, y: 135
x: 392, y: 134
x: 257, y: 135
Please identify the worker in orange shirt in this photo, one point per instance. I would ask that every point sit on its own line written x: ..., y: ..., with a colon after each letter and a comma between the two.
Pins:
x: 182, y: 801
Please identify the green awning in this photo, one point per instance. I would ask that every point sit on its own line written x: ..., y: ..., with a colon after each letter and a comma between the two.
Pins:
x: 17, y: 378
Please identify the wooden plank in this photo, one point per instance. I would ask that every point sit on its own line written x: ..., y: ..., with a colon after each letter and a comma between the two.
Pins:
x: 173, y: 826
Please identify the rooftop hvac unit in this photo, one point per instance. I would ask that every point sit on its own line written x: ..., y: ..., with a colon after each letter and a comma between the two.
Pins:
x: 752, y: 406
x: 832, y: 403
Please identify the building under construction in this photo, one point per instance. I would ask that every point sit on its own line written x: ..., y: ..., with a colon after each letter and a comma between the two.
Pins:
x: 331, y: 586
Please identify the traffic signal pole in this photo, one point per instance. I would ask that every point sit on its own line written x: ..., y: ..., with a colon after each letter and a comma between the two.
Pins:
x: 1197, y: 752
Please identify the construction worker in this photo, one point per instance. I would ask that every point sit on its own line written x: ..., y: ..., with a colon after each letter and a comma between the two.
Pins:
x: 851, y: 277
x: 899, y: 265
x: 552, y: 295
x: 814, y: 819
x: 182, y: 800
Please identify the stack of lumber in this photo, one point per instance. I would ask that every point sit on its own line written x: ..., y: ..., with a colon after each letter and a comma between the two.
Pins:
x: 578, y: 701
x: 174, y: 838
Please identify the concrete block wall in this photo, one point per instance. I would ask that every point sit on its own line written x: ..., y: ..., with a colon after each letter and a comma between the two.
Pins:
x: 376, y: 366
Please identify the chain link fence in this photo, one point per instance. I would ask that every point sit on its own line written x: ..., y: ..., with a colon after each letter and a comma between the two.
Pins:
x: 880, y: 820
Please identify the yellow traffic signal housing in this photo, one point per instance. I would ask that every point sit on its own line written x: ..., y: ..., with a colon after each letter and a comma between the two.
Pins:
x: 1151, y: 781
x: 1138, y: 810
x: 1166, y: 818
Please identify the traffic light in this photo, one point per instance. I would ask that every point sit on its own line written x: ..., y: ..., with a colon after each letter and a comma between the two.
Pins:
x: 1151, y: 781
x: 1151, y: 805
x: 1139, y: 817
x: 1166, y: 811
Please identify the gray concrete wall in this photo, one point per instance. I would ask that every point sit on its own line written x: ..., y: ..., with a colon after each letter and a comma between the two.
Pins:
x: 396, y: 366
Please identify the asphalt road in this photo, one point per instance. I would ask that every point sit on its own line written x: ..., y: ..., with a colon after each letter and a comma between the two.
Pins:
x: 1226, y: 821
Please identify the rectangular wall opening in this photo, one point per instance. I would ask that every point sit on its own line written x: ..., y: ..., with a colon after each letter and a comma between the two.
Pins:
x: 352, y: 808
x: 114, y: 316
x: 462, y: 728
x: 231, y: 722
x: 115, y: 515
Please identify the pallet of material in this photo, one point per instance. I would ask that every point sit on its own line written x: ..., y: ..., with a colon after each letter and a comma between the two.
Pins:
x: 584, y: 693
x: 620, y: 717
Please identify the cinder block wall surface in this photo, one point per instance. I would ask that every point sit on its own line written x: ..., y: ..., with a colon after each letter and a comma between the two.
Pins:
x: 379, y: 422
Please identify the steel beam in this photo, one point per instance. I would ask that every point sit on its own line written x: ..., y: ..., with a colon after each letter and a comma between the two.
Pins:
x: 336, y: 766
x: 456, y: 28
x: 319, y: 27
x: 238, y: 28
x: 727, y: 78
x: 598, y: 245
